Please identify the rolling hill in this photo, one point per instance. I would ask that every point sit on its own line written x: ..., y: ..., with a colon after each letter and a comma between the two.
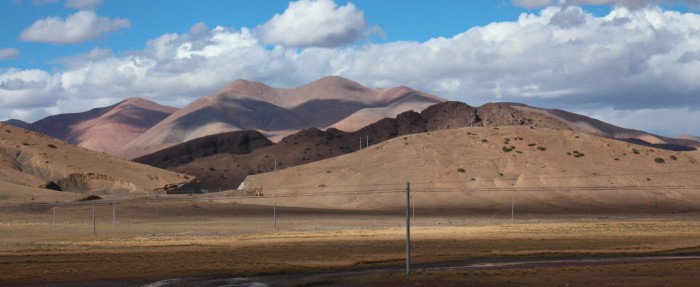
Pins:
x: 225, y: 170
x: 485, y: 168
x: 33, y: 164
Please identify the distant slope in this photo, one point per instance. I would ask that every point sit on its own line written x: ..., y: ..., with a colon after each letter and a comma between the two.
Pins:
x: 276, y: 112
x: 33, y: 160
x: 104, y: 129
x: 542, y: 169
x: 17, y: 123
x: 227, y: 170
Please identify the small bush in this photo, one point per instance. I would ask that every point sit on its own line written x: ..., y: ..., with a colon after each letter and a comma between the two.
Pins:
x: 461, y: 170
x: 635, y: 151
x: 51, y: 146
x: 617, y: 159
x: 211, y: 168
x: 484, y: 140
x: 541, y: 148
x: 673, y: 157
x: 507, y: 149
x: 90, y: 197
x: 532, y: 144
x: 659, y: 160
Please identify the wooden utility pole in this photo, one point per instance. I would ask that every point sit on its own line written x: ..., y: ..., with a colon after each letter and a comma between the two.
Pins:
x: 408, y: 229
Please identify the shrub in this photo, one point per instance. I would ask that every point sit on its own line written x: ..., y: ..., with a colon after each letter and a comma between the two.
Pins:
x: 51, y: 146
x: 532, y: 144
x: 659, y: 160
x: 507, y: 149
x: 90, y: 197
x: 541, y: 148
x: 211, y: 168
x: 484, y: 140
x: 635, y: 151
x: 461, y: 170
x: 673, y: 157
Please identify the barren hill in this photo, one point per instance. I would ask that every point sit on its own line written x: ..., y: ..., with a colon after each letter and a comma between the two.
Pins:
x: 32, y: 160
x: 104, y: 129
x: 227, y: 170
x: 484, y: 168
x: 276, y: 112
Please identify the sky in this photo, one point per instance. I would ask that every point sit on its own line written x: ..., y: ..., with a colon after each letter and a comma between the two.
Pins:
x: 633, y: 63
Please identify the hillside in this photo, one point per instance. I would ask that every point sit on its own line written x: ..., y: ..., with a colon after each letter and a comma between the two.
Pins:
x: 275, y: 112
x: 226, y: 170
x: 32, y: 160
x: 104, y: 129
x: 484, y: 168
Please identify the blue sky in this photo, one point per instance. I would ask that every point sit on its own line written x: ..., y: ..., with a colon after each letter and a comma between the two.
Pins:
x: 630, y: 62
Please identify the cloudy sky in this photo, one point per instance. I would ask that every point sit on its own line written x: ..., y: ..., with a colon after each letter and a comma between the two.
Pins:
x: 635, y: 63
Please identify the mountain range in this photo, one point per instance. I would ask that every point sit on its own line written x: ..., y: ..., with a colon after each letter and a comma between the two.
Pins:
x: 212, y: 137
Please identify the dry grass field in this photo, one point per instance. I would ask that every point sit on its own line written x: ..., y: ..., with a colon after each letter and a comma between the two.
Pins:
x: 203, y: 238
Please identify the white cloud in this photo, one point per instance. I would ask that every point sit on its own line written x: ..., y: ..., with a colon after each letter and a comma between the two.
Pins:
x: 83, y: 4
x: 561, y: 57
x: 9, y: 53
x: 319, y: 23
x: 78, y: 27
x: 93, y: 55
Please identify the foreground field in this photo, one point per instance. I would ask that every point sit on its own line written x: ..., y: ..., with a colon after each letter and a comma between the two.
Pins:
x: 184, y: 239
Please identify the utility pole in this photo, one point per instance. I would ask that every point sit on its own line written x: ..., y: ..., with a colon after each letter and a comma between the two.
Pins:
x: 94, y: 221
x: 408, y: 229
x: 413, y: 202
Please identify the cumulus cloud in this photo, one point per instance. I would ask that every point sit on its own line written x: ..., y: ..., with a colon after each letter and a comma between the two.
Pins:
x: 78, y: 27
x: 83, y: 4
x: 9, y: 53
x: 318, y: 23
x: 93, y: 55
x: 560, y: 57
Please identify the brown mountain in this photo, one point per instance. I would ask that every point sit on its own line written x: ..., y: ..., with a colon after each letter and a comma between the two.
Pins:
x: 246, y: 105
x: 226, y: 170
x: 36, y: 165
x: 541, y: 170
x: 104, y: 129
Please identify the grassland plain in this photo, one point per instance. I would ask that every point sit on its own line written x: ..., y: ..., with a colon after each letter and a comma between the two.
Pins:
x: 188, y: 239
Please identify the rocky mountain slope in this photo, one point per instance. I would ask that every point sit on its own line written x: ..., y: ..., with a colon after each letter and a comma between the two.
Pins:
x: 104, y: 129
x: 226, y: 170
x: 33, y: 161
x: 276, y: 112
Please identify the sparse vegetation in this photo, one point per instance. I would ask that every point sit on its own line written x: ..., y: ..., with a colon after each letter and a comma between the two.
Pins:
x: 617, y: 159
x: 541, y: 148
x: 90, y: 197
x: 659, y: 160
x: 673, y: 157
x: 635, y: 151
x: 484, y: 140
x: 51, y: 146
x: 461, y: 170
x: 576, y: 153
x: 508, y: 149
x: 531, y: 144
